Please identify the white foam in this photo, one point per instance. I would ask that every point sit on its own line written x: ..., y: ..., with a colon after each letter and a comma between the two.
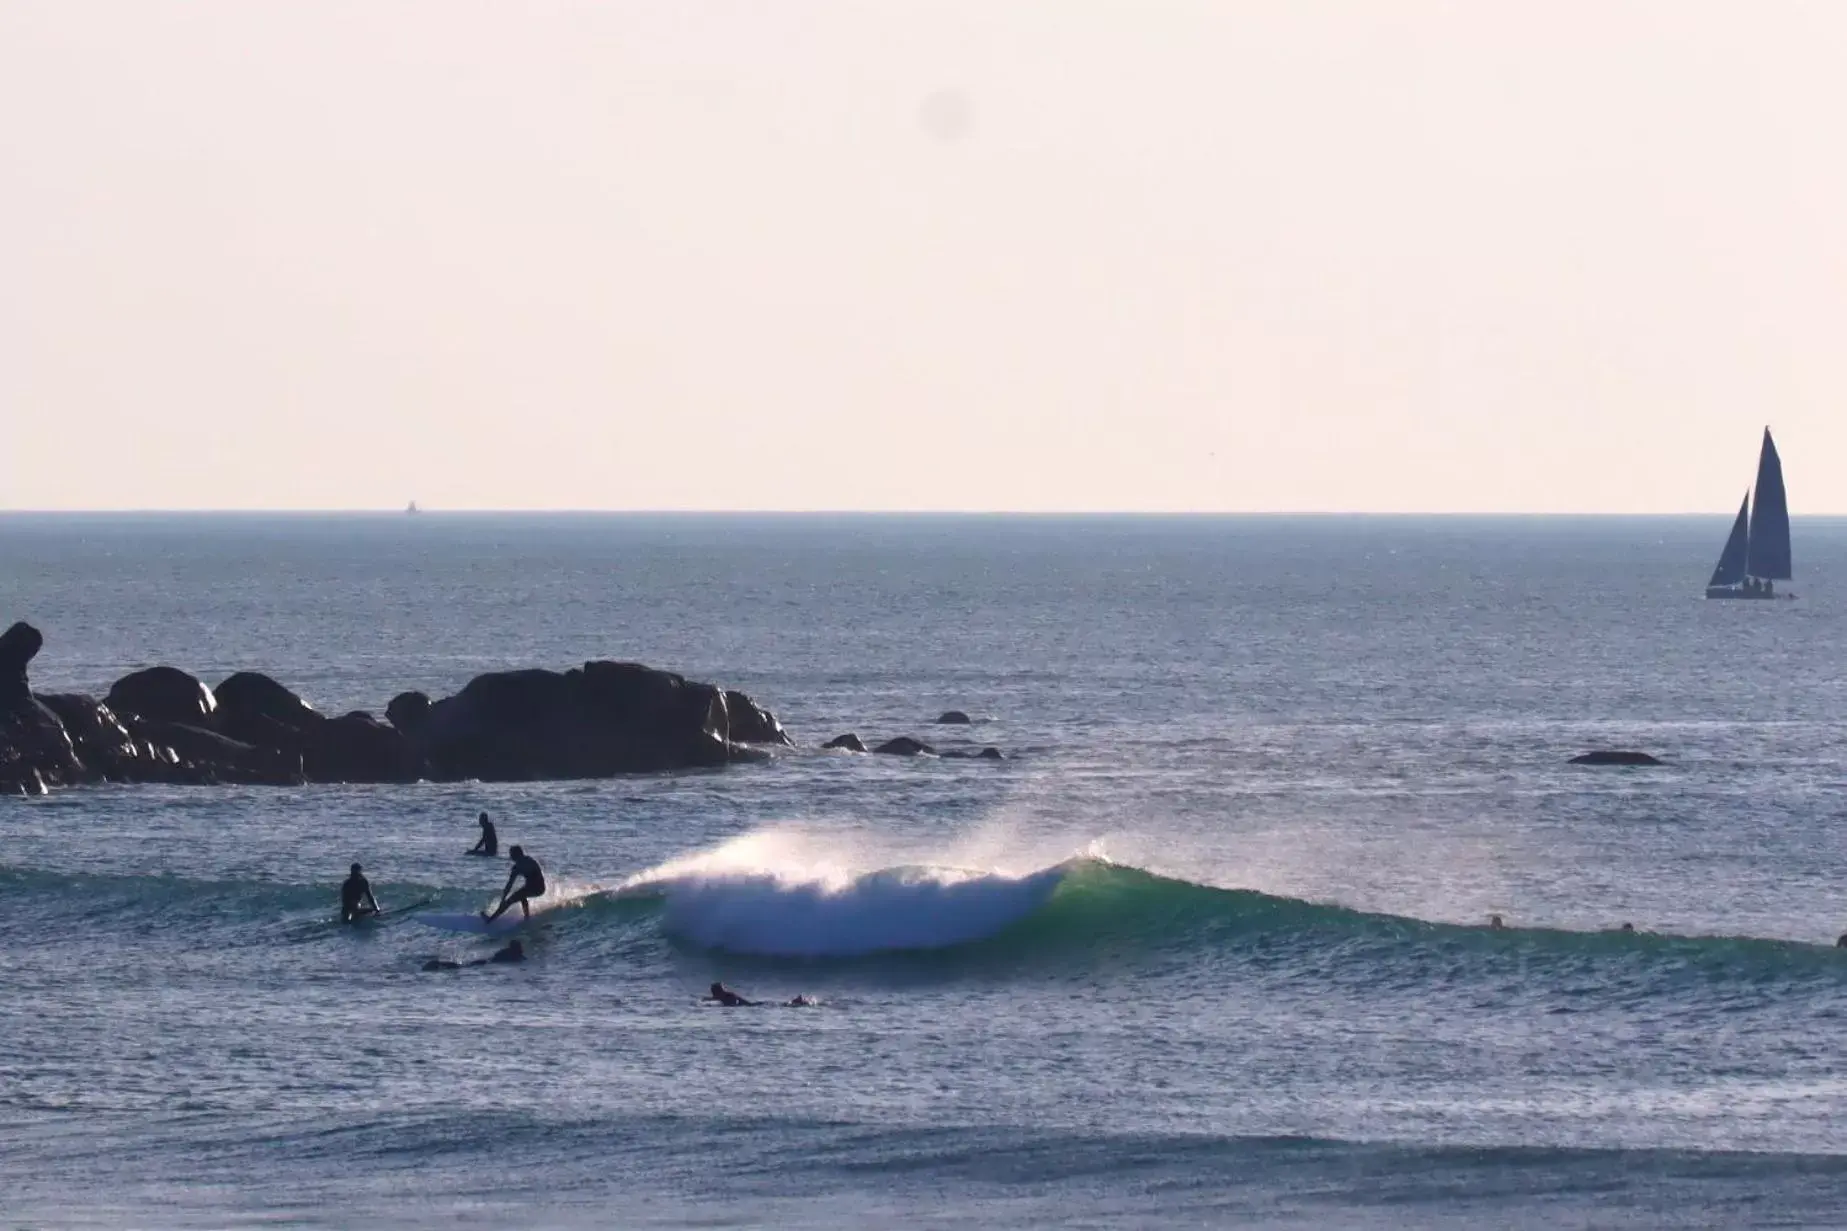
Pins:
x: 773, y: 893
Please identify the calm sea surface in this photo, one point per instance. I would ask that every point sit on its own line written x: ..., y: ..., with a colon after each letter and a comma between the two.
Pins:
x: 1209, y: 947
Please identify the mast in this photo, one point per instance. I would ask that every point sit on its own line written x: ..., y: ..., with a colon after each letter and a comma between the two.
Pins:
x: 1731, y: 561
x: 1768, y: 552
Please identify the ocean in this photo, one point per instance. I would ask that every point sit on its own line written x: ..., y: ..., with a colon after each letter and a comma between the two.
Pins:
x: 1208, y: 947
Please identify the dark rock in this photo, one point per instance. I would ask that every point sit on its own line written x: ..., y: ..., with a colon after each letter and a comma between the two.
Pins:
x: 163, y: 694
x: 19, y: 780
x: 213, y: 757
x: 253, y: 695
x: 751, y: 723
x: 603, y: 719
x: 101, y: 741
x: 357, y: 747
x: 952, y: 718
x: 849, y: 741
x: 34, y: 747
x: 905, y: 746
x: 408, y: 712
x: 991, y: 754
x: 1614, y: 757
x: 973, y: 754
x: 163, y: 725
x: 18, y: 646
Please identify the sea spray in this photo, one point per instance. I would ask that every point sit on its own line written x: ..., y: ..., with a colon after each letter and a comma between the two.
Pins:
x: 788, y: 915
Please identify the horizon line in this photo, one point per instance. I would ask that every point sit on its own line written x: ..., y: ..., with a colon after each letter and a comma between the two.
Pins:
x: 444, y: 511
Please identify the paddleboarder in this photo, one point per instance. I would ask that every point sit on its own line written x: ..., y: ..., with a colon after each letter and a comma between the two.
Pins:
x: 531, y: 877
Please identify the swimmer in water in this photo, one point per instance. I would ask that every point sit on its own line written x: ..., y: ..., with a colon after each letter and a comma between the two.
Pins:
x: 490, y: 841
x: 356, y: 900
x: 514, y: 951
x: 725, y: 996
x: 526, y: 870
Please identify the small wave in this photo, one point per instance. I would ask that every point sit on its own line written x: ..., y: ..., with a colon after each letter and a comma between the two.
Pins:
x: 1089, y: 909
x: 783, y: 915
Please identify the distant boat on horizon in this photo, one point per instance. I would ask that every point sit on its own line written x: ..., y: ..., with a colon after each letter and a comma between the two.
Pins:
x: 412, y: 508
x: 1756, y: 554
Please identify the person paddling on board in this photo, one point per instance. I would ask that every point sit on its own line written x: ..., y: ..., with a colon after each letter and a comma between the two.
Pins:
x: 513, y: 952
x: 356, y: 900
x: 725, y: 996
x: 526, y: 870
x: 490, y: 841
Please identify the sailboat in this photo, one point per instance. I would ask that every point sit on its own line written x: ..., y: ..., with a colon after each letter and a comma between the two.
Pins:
x: 1756, y: 555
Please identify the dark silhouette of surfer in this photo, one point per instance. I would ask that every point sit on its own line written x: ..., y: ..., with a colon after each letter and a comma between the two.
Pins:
x: 725, y: 996
x: 531, y: 880
x: 490, y: 841
x: 722, y: 995
x: 356, y: 900
x: 513, y: 951
x: 1495, y: 923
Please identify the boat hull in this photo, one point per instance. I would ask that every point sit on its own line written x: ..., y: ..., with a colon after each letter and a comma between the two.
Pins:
x: 1729, y: 592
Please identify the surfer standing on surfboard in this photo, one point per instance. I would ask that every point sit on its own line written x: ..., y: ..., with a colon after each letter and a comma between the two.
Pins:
x: 356, y: 900
x: 526, y: 870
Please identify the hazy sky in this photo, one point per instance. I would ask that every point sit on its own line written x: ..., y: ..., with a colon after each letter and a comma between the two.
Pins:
x: 1076, y: 254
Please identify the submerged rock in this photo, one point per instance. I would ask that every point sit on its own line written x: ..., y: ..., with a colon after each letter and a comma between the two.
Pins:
x: 850, y: 742
x: 974, y: 754
x: 1614, y: 757
x: 953, y: 718
x: 905, y: 746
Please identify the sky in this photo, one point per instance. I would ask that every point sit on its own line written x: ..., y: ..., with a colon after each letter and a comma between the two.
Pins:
x: 1418, y: 256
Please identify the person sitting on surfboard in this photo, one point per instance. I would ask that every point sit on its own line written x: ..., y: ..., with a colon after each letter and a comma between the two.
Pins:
x: 356, y: 900
x: 489, y: 843
x: 526, y: 870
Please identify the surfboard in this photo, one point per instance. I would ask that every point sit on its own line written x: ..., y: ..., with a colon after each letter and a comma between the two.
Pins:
x: 395, y: 911
x: 405, y: 909
x: 464, y: 921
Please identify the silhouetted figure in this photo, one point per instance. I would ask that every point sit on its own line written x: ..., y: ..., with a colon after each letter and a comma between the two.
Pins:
x: 725, y: 996
x: 1495, y: 924
x: 531, y: 877
x: 490, y: 841
x: 1842, y: 942
x: 514, y: 951
x: 356, y: 900
x: 1628, y: 927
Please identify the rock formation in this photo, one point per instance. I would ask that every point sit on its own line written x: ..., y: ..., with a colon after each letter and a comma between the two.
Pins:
x: 1614, y: 757
x: 161, y: 724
